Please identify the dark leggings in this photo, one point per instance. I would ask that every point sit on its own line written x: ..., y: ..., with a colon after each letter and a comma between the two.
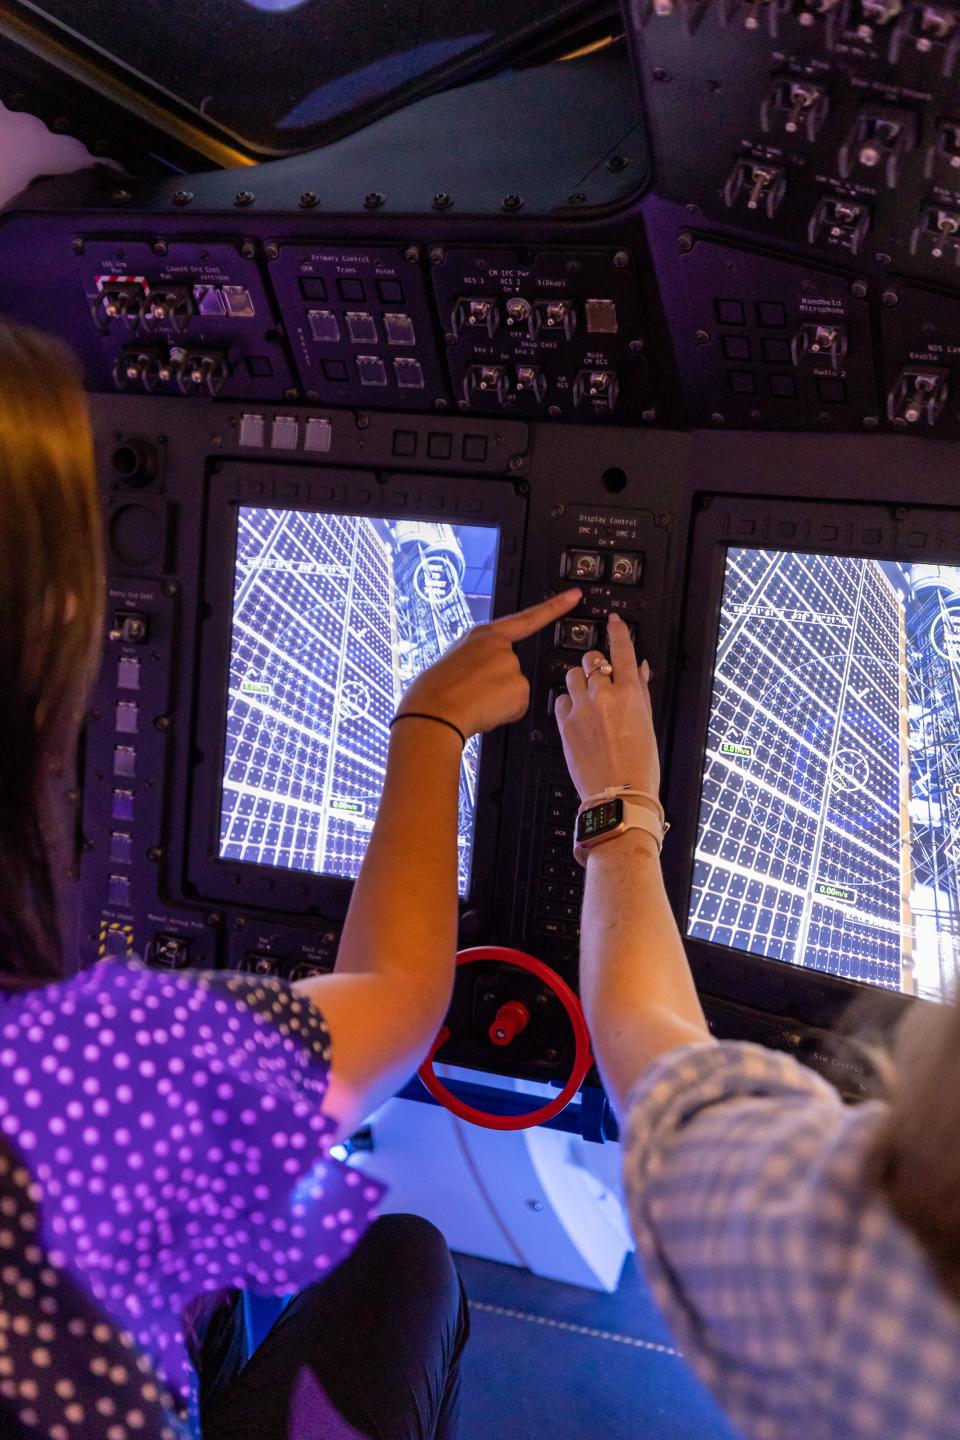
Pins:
x: 373, y: 1350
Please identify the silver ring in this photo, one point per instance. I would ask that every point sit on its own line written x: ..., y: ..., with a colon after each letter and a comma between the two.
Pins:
x: 600, y: 667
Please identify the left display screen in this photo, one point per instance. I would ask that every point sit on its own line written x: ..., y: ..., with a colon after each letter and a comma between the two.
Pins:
x: 333, y: 617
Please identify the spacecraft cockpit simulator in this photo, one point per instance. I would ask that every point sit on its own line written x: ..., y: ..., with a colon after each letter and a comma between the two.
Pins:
x: 660, y: 299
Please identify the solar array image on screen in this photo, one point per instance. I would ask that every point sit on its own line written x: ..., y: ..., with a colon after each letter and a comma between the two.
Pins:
x: 333, y: 616
x: 829, y: 830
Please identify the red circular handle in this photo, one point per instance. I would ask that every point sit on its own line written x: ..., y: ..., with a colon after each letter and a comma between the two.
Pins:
x: 582, y: 1059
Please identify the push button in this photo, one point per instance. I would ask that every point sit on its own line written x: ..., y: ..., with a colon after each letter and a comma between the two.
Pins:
x: 121, y: 847
x: 121, y: 805
x: 832, y: 392
x: 128, y: 674
x: 362, y: 327
x: 127, y: 721
x: 408, y: 373
x: 404, y: 443
x: 439, y: 446
x: 399, y: 330
x: 736, y: 347
x: 771, y: 314
x: 312, y: 287
x: 730, y: 312
x: 118, y: 890
x: 251, y: 431
x: 318, y: 435
x: 125, y: 760
x: 285, y: 432
x: 371, y: 370
x: 323, y: 326
x: 475, y: 447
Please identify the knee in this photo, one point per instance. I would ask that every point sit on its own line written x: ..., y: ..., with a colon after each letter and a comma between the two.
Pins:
x: 410, y: 1234
x: 409, y: 1241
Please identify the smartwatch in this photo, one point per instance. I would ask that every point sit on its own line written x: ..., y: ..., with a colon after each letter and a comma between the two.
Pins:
x: 604, y: 817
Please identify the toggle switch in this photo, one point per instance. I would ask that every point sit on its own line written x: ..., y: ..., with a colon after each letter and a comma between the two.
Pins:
x: 576, y: 634
x: 582, y: 565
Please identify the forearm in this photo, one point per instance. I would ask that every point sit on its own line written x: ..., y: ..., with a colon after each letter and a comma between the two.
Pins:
x: 402, y: 921
x: 635, y: 980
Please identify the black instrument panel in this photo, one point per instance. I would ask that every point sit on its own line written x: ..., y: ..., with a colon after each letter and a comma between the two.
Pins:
x: 769, y: 308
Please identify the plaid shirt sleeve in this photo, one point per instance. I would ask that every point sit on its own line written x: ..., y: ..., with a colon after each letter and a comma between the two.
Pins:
x: 743, y: 1174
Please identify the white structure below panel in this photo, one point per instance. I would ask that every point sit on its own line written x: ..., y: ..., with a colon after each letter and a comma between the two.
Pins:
x: 541, y: 1199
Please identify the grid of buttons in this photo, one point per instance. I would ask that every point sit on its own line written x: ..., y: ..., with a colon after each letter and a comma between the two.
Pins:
x: 440, y: 445
x: 362, y: 323
x: 560, y: 883
x: 764, y: 351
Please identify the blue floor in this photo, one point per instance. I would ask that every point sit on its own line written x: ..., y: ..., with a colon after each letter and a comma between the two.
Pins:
x: 556, y: 1361
x: 549, y: 1360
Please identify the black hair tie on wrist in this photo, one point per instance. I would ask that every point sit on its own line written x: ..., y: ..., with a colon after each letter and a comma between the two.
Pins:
x: 420, y: 715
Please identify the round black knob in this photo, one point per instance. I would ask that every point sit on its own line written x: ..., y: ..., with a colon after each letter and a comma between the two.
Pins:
x: 135, y: 462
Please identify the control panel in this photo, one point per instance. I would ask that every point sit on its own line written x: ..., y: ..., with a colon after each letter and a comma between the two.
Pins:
x: 832, y: 126
x: 152, y: 882
x: 173, y: 318
x: 775, y: 246
x: 610, y: 513
x: 565, y: 366
x: 553, y: 333
x: 540, y: 332
x: 819, y: 197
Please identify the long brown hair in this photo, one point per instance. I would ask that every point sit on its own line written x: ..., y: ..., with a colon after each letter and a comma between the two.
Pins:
x: 916, y: 1155
x: 51, y: 603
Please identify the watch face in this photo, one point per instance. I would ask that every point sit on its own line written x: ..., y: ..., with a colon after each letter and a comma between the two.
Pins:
x: 599, y: 820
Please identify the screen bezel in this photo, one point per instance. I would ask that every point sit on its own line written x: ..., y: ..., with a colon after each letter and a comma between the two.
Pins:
x: 456, y: 501
x: 722, y: 522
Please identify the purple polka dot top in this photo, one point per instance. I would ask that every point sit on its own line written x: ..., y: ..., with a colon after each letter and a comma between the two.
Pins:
x: 161, y: 1137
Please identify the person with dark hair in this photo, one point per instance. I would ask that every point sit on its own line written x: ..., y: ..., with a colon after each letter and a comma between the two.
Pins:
x: 164, y: 1138
x: 806, y: 1255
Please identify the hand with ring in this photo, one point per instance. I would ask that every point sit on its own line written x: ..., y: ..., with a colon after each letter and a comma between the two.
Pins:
x: 605, y: 719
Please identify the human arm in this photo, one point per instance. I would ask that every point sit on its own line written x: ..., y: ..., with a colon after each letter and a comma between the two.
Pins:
x: 391, y: 987
x: 635, y: 981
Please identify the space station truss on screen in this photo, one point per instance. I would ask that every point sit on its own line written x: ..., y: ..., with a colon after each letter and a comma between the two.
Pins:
x: 829, y: 828
x: 333, y: 616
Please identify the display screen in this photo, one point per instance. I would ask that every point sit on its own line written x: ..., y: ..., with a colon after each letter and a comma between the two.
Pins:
x: 829, y: 828
x: 599, y: 819
x: 333, y: 617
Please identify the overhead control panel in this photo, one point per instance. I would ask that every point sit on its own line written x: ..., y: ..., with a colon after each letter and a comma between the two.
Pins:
x: 361, y: 325
x: 781, y: 251
x: 181, y: 318
x: 776, y: 342
x: 501, y: 331
x: 834, y: 124
x: 551, y: 333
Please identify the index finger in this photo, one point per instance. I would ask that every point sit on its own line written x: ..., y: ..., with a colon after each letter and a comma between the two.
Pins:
x: 535, y: 617
x: 623, y: 657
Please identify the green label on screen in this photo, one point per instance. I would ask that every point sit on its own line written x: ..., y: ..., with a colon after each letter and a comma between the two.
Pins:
x: 254, y: 687
x: 727, y: 747
x: 349, y: 807
x: 835, y: 892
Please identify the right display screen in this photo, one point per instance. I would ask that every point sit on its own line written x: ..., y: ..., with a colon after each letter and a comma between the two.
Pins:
x: 829, y: 825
